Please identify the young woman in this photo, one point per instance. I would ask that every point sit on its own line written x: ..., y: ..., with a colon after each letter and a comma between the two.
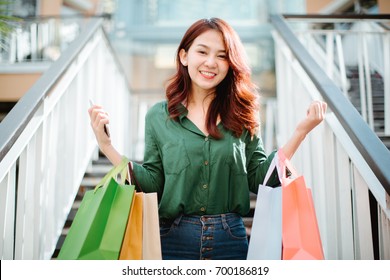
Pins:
x: 203, y: 155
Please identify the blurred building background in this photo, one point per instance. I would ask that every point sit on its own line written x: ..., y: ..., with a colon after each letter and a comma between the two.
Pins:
x: 145, y: 34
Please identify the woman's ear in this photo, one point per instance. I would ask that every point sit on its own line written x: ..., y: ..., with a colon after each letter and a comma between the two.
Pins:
x: 183, y: 57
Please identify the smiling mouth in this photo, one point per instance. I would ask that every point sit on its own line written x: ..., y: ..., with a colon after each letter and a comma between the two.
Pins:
x: 208, y: 74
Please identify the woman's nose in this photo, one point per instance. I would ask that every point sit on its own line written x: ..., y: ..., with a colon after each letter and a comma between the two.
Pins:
x: 210, y: 61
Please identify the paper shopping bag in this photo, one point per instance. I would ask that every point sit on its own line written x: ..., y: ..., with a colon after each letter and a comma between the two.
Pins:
x: 132, y: 241
x: 99, y: 225
x: 266, y: 234
x: 151, y: 245
x: 151, y: 242
x: 300, y: 232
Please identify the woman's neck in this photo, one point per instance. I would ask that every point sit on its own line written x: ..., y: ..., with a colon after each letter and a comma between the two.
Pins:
x: 198, y: 107
x: 198, y: 100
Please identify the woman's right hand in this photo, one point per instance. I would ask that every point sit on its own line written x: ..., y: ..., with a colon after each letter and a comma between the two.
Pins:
x: 99, y: 118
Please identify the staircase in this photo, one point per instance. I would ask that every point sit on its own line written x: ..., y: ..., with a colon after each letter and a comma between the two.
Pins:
x: 101, y: 166
x: 378, y: 100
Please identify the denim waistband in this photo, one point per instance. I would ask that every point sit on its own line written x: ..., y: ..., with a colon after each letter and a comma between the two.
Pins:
x: 209, y: 219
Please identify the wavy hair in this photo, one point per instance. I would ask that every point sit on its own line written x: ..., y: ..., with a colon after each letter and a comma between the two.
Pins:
x: 236, y: 100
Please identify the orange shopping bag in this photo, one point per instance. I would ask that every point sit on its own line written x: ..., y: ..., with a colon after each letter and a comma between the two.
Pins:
x: 132, y: 242
x: 300, y: 233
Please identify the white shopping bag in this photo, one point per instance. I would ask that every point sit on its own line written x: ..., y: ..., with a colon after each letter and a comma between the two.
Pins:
x: 266, y: 236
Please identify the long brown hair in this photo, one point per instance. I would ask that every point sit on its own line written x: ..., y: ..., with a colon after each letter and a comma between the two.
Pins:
x: 236, y: 100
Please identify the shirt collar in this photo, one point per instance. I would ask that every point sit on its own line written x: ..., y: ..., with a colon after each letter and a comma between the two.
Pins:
x: 184, y: 112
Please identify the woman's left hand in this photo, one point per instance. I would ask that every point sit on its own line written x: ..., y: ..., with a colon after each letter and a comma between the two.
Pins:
x: 315, y: 115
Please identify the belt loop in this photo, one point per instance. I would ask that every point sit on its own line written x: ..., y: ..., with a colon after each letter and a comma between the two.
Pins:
x: 224, y: 222
x: 176, y: 222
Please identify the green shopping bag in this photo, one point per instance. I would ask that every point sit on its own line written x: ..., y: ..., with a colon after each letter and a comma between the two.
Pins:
x: 99, y: 225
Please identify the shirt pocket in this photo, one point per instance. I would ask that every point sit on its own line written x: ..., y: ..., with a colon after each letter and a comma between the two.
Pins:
x: 174, y: 157
x: 237, y: 158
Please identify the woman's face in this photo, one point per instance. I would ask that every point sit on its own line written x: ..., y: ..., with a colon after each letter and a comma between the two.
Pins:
x: 206, y: 60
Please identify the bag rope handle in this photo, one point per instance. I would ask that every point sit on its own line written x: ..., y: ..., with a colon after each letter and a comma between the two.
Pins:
x: 121, y: 169
x: 283, y: 165
x: 132, y: 178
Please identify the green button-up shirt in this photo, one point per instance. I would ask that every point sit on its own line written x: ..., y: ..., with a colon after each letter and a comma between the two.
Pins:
x: 195, y: 174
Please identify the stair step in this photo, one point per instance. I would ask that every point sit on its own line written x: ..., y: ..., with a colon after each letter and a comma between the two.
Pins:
x: 386, y: 141
x: 90, y: 182
x: 60, y: 242
x: 99, y: 169
x: 71, y: 216
x: 377, y: 86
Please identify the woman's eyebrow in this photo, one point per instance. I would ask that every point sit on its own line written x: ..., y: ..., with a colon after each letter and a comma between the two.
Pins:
x: 207, y: 47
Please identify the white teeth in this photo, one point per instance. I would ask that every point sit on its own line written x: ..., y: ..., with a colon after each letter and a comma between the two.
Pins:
x: 207, y: 73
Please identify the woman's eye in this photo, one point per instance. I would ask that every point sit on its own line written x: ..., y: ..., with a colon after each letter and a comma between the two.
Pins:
x: 222, y: 56
x: 202, y: 52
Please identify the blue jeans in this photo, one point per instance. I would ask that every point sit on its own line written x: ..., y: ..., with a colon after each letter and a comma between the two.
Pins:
x: 218, y: 237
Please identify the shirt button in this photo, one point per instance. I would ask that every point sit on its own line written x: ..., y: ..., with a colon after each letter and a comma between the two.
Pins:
x: 206, y: 162
x: 202, y: 209
x: 206, y: 139
x: 205, y: 186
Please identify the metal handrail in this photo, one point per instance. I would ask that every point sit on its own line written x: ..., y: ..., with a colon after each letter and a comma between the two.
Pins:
x: 16, y: 120
x: 343, y: 17
x: 367, y: 142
